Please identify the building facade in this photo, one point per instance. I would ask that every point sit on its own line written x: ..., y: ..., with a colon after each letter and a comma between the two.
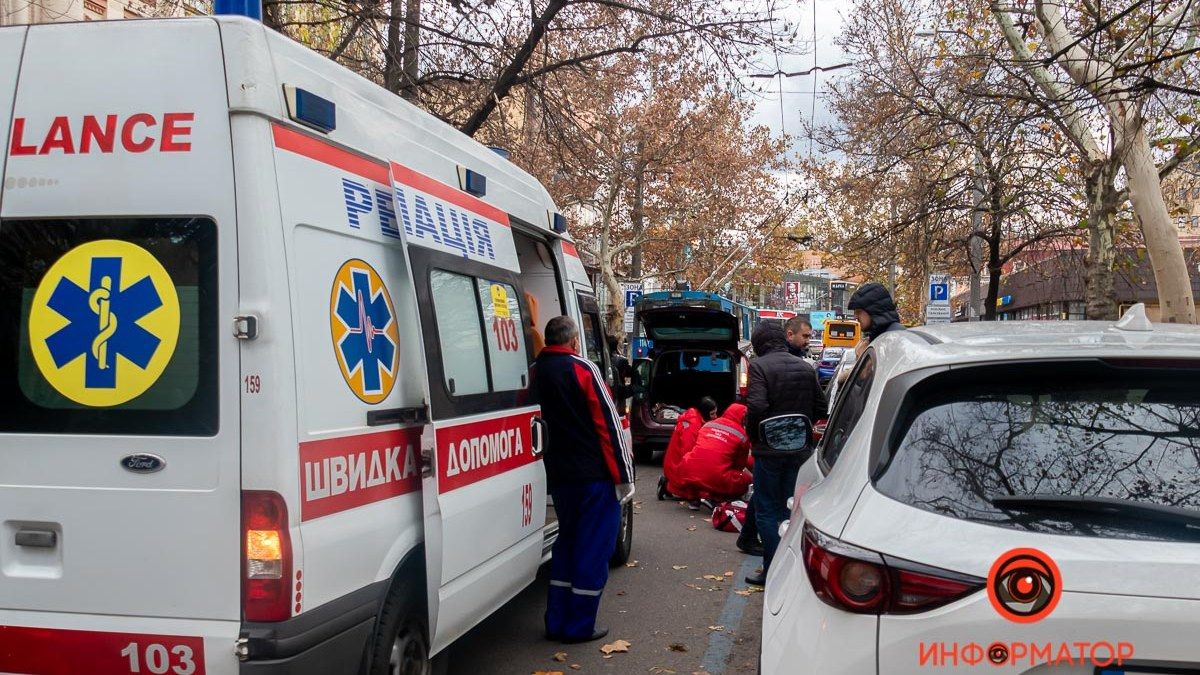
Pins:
x: 18, y: 12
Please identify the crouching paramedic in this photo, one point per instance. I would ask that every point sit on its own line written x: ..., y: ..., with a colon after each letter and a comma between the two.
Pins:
x: 589, y: 468
x: 716, y: 466
x: 683, y: 439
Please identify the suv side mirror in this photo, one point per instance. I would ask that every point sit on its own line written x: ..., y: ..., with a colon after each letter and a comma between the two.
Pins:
x: 786, y: 433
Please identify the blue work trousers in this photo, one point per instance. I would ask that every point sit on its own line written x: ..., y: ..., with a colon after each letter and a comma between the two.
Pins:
x: 774, y: 482
x: 588, y: 520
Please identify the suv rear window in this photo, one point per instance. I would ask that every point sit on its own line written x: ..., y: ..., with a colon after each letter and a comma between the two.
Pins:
x: 112, y: 326
x: 1005, y: 445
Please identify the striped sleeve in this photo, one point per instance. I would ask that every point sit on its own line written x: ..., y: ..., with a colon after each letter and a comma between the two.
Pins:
x: 603, y: 412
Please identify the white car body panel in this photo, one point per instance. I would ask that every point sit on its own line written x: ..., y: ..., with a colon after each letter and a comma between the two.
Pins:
x: 1142, y: 592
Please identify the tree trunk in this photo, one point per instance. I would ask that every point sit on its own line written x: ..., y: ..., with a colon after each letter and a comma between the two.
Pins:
x: 272, y: 13
x: 995, y: 267
x: 1100, y: 293
x: 637, y: 216
x: 1176, y: 304
x: 412, y: 43
x: 392, y: 68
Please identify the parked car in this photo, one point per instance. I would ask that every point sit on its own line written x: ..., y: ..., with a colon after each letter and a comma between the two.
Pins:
x: 830, y: 358
x: 978, y: 477
x: 690, y: 350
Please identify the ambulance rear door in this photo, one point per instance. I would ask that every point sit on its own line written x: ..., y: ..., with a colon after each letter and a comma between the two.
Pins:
x: 484, y: 484
x: 119, y: 451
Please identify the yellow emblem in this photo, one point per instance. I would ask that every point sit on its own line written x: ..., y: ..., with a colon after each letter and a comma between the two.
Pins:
x: 104, y: 323
x: 366, y: 339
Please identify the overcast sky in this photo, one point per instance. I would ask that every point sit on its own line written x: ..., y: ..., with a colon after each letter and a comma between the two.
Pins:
x: 797, y: 93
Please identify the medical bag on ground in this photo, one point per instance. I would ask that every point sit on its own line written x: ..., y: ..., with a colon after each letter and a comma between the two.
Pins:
x: 729, y: 516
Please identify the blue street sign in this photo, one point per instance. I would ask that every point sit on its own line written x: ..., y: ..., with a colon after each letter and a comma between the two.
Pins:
x: 631, y: 297
x: 939, y: 292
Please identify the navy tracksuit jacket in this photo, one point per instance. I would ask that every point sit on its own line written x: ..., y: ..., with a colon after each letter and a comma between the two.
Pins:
x: 586, y: 456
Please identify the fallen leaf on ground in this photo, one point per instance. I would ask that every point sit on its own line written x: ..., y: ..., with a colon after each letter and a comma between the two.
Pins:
x: 659, y: 670
x: 677, y: 647
x: 716, y: 627
x: 713, y: 577
x: 694, y: 587
x: 678, y: 567
x: 747, y: 592
x: 575, y: 666
x: 620, y: 592
x: 637, y: 503
x: 729, y: 573
x: 631, y: 563
x: 547, y: 672
x: 692, y: 528
x: 561, y: 657
x: 616, y: 647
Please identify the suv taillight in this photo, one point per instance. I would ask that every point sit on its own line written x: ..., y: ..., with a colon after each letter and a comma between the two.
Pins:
x: 266, y: 557
x: 864, y: 582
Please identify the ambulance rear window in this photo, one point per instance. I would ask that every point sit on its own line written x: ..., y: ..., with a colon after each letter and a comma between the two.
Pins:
x: 110, y: 326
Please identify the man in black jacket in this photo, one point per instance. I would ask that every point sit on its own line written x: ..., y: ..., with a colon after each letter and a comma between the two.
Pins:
x: 780, y: 384
x: 875, y: 310
x: 589, y: 471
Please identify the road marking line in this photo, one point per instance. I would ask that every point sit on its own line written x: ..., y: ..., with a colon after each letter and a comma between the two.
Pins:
x: 720, y: 643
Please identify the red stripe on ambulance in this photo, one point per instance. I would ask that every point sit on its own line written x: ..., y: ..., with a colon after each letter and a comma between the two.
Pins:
x: 49, y: 651
x: 325, y: 153
x: 337, y: 474
x: 473, y: 451
x: 435, y: 188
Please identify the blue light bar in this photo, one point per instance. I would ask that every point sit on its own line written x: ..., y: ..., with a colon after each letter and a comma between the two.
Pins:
x: 309, y: 109
x: 250, y: 8
x: 560, y: 223
x: 473, y: 183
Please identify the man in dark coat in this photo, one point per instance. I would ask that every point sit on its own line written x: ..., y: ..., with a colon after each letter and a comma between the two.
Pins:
x: 780, y: 384
x: 799, y: 332
x: 589, y: 471
x: 875, y: 311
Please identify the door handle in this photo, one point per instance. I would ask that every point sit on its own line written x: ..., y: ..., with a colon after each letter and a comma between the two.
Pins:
x: 540, y: 431
x: 37, y: 538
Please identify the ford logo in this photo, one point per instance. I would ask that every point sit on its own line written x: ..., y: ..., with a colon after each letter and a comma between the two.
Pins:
x: 143, y: 462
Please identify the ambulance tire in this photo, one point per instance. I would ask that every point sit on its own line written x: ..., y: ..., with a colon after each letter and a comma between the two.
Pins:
x: 624, y: 546
x: 401, y: 642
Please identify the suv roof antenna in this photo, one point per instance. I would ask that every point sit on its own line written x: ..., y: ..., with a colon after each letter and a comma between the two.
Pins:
x: 1135, y: 319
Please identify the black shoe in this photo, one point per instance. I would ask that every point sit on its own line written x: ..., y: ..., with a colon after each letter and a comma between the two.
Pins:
x: 750, y: 548
x: 708, y: 504
x: 662, y: 489
x: 758, y: 578
x: 596, y: 635
x: 553, y: 637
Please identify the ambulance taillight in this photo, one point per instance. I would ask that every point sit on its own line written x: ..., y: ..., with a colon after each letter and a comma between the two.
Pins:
x: 266, y: 557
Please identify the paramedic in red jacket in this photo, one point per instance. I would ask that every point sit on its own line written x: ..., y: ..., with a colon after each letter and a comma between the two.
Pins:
x: 716, y: 467
x: 589, y: 469
x: 683, y: 439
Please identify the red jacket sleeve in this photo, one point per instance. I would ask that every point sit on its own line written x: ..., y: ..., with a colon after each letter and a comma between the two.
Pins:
x: 603, y: 412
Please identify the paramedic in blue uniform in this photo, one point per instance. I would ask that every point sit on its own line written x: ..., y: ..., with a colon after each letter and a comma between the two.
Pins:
x: 589, y: 468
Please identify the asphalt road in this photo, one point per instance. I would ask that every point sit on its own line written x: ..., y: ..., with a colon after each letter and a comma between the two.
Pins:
x: 674, y: 618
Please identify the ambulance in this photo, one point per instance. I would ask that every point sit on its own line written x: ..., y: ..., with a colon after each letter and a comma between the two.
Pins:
x: 267, y: 330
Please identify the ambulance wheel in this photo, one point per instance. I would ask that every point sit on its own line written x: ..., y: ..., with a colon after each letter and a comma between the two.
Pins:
x: 401, y: 642
x: 624, y: 547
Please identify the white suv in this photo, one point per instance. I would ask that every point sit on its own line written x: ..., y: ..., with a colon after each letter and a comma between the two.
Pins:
x: 1008, y: 497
